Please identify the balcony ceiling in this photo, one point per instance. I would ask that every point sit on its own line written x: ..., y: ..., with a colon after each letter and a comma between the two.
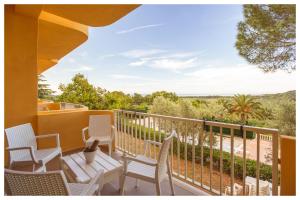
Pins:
x: 63, y: 28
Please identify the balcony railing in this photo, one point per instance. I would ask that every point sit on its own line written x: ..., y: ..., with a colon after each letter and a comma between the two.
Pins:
x: 204, y: 153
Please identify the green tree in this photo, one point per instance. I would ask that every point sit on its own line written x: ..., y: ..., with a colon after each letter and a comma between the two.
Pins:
x: 164, y: 106
x: 80, y: 91
x: 117, y: 100
x: 44, y: 92
x: 245, y: 107
x: 267, y: 36
x: 287, y: 118
x: 168, y: 95
x: 137, y: 99
x: 199, y: 103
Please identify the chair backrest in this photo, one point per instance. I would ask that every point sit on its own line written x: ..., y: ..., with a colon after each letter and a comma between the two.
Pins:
x: 20, y: 136
x: 163, y: 156
x: 30, y: 183
x: 100, y: 125
x: 264, y: 189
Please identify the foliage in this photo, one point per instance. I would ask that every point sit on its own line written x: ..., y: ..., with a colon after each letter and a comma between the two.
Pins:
x: 117, y: 100
x: 163, y: 106
x: 267, y: 36
x: 168, y: 95
x: 80, y: 91
x: 44, y: 92
x: 287, y: 119
x: 245, y: 107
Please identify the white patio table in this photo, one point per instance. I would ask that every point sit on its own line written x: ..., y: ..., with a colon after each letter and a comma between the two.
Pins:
x: 79, y: 171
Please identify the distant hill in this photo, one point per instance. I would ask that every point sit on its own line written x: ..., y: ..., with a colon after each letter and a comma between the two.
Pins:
x: 291, y: 95
x: 285, y: 95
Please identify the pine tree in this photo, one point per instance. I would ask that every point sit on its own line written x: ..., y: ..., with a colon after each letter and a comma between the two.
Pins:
x: 44, y: 92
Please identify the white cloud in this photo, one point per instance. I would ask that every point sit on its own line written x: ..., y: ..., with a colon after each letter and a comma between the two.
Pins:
x: 139, y: 28
x: 174, y: 64
x: 138, y: 63
x: 81, y: 68
x: 130, y: 77
x: 123, y: 76
x: 139, y: 53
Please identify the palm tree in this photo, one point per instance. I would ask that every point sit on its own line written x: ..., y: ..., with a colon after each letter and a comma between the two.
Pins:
x: 245, y: 107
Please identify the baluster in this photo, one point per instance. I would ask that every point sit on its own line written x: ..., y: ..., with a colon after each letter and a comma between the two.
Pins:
x: 232, y: 160
x: 244, y: 160
x: 185, y: 151
x: 257, y: 163
x: 221, y: 160
x: 210, y: 157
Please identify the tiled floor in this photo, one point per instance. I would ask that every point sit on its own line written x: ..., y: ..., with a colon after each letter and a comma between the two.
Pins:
x: 144, y: 189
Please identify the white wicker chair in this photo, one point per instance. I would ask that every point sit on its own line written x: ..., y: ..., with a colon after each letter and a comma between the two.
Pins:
x: 150, y: 170
x: 48, y: 183
x: 99, y: 128
x: 22, y: 147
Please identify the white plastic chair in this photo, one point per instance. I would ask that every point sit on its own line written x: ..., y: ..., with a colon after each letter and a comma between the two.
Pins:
x: 148, y: 169
x: 237, y: 190
x: 22, y: 147
x: 99, y: 128
x: 48, y: 183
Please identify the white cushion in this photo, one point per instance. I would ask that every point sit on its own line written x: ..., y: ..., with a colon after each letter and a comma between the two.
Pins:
x: 140, y: 169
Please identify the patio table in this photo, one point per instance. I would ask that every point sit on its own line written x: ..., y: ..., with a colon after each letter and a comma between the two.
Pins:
x: 79, y: 171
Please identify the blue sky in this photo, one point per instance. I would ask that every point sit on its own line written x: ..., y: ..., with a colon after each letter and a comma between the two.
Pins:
x: 187, y: 49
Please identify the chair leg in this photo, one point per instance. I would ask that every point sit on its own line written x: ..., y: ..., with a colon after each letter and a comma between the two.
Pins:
x: 122, y: 184
x: 136, y: 183
x: 44, y: 169
x: 171, y: 180
x: 157, y: 188
x: 109, y: 149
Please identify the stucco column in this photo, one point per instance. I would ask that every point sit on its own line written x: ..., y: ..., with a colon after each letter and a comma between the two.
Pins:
x: 20, y: 69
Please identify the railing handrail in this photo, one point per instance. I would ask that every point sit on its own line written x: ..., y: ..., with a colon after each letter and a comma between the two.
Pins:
x: 261, y: 130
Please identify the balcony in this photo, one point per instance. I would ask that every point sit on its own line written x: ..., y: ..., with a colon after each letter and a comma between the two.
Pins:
x: 206, y: 157
x: 190, y: 158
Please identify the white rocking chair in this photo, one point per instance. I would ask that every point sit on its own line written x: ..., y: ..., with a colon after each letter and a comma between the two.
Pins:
x: 22, y: 147
x: 150, y: 170
x: 48, y: 183
x: 100, y: 129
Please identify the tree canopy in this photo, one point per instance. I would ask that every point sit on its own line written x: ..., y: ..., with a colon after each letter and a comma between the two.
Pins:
x: 44, y: 92
x: 82, y: 92
x: 267, y: 36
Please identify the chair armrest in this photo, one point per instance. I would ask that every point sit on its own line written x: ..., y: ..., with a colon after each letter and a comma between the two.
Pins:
x: 126, y: 158
x: 83, y: 134
x: 113, y: 132
x: 30, y: 149
x: 98, y: 179
x: 147, y: 145
x: 50, y: 135
x: 153, y: 142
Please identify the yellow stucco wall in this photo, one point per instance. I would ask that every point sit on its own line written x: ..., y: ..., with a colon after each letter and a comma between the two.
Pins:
x: 69, y: 126
x: 288, y: 165
x: 20, y: 72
